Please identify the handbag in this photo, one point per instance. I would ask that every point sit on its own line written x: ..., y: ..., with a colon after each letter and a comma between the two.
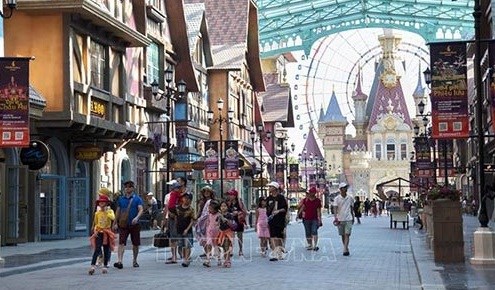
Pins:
x: 124, y: 216
x: 161, y: 239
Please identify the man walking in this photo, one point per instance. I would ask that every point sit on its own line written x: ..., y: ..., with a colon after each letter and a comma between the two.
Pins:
x: 344, y: 215
x: 276, y: 211
x: 129, y: 210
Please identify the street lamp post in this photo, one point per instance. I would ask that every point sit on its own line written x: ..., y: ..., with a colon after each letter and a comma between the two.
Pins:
x: 11, y: 4
x: 220, y: 120
x: 172, y: 92
x: 263, y: 136
x: 287, y: 169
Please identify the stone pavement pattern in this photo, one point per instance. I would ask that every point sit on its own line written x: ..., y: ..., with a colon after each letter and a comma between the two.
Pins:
x: 381, y: 258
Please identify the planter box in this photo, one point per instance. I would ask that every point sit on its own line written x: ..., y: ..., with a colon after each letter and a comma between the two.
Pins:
x: 445, y: 229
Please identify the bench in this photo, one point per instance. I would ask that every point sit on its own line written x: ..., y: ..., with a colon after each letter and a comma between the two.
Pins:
x: 399, y: 216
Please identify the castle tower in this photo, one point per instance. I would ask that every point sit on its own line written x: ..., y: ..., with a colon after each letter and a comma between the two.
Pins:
x: 360, y: 109
x: 332, y: 133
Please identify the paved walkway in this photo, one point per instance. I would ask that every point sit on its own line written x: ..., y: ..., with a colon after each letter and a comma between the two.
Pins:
x: 381, y: 258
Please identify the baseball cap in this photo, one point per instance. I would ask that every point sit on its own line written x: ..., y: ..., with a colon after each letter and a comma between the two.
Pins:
x: 173, y: 183
x: 274, y: 184
x: 313, y: 190
x: 343, y: 185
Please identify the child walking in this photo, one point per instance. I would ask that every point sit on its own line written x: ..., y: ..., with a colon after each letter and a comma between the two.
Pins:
x: 227, y: 225
x: 212, y: 231
x: 262, y: 226
x: 185, y: 221
x: 103, y: 235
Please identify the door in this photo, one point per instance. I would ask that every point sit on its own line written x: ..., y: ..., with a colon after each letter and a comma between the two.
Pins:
x: 79, y: 211
x: 16, y: 207
x: 52, y: 207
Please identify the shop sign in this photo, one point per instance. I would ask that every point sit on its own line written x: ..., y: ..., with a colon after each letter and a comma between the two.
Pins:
x: 35, y: 156
x: 87, y: 153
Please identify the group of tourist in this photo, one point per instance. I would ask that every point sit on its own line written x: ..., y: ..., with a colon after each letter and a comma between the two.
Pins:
x: 215, y: 224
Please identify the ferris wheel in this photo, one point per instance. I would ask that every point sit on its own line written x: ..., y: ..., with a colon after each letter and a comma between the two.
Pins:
x: 333, y: 67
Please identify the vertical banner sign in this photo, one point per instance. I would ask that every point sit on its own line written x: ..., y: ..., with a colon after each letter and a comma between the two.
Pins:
x: 279, y: 174
x: 449, y: 99
x: 231, y: 160
x: 211, y: 160
x: 294, y: 176
x: 14, y: 102
x: 445, y: 157
x: 492, y: 82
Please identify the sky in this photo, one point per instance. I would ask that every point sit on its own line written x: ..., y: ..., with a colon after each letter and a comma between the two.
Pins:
x: 333, y: 66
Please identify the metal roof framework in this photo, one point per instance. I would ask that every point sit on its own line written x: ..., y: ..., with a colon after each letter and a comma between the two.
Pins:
x: 289, y: 25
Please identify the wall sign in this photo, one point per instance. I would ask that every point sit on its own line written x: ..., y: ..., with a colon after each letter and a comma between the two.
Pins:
x: 87, y: 153
x: 35, y: 156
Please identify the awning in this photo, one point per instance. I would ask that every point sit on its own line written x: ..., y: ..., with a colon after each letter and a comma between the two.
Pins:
x: 249, y: 162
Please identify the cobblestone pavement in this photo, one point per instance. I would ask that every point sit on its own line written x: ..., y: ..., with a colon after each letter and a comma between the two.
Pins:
x: 381, y: 258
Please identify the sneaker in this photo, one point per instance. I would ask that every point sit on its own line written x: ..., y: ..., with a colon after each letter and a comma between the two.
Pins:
x: 118, y: 265
x: 91, y: 270
x: 273, y: 259
x: 135, y: 265
x: 104, y: 270
x: 185, y: 264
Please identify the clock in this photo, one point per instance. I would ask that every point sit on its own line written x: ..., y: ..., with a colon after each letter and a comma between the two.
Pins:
x: 390, y: 123
x: 389, y: 79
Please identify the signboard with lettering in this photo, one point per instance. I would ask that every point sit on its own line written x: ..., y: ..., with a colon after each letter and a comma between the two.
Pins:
x: 87, y: 152
x: 14, y: 102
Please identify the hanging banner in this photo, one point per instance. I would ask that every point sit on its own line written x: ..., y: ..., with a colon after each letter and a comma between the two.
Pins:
x: 492, y: 82
x: 449, y: 99
x: 280, y: 174
x: 14, y: 102
x: 211, y: 160
x: 294, y: 176
x: 231, y: 160
x: 445, y: 158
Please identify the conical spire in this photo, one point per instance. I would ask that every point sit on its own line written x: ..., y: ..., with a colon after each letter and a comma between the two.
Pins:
x: 419, y: 92
x: 358, y: 93
x: 322, y: 115
x: 333, y: 112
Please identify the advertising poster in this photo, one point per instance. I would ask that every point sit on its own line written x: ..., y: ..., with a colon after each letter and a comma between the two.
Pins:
x: 14, y: 102
x: 449, y: 98
x: 211, y: 160
x: 231, y: 160
x: 280, y: 174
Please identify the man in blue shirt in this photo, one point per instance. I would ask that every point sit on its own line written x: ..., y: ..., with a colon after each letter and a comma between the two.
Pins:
x: 129, y: 204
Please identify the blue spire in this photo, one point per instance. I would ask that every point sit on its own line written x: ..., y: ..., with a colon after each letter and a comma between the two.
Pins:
x: 333, y: 114
x: 322, y: 115
x: 419, y: 92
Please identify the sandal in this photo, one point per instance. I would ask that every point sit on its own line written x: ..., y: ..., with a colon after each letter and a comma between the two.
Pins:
x: 104, y: 270
x: 206, y: 264
x: 227, y: 264
x: 118, y: 265
x: 171, y: 262
x: 135, y: 265
x: 91, y: 271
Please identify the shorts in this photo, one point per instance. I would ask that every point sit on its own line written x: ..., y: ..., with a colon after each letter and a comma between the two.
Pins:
x: 276, y: 232
x: 185, y: 241
x: 134, y: 231
x: 172, y: 228
x: 310, y: 228
x: 345, y: 227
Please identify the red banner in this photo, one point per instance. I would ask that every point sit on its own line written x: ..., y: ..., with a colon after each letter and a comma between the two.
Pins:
x: 14, y: 102
x: 211, y: 160
x: 449, y: 99
x: 231, y: 160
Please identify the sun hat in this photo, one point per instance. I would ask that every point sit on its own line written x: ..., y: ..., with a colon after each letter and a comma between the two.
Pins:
x: 343, y: 185
x: 150, y: 193
x: 103, y: 198
x: 274, y: 184
x: 104, y: 191
x: 206, y: 188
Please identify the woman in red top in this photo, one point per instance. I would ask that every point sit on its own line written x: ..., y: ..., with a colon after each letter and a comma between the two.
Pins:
x: 311, y: 212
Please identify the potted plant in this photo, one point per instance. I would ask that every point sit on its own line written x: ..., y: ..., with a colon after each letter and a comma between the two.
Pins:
x: 443, y: 192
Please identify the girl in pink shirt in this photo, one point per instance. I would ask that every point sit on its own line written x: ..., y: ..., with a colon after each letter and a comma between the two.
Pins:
x: 212, y: 231
x: 262, y: 226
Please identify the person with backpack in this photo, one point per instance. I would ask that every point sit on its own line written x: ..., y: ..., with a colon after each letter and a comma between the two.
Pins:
x: 310, y: 211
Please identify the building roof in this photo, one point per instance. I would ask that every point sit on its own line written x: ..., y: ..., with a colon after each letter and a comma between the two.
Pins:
x: 358, y: 94
x: 333, y: 113
x: 419, y: 92
x: 277, y: 103
x: 351, y: 145
x: 312, y: 146
x: 233, y: 28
